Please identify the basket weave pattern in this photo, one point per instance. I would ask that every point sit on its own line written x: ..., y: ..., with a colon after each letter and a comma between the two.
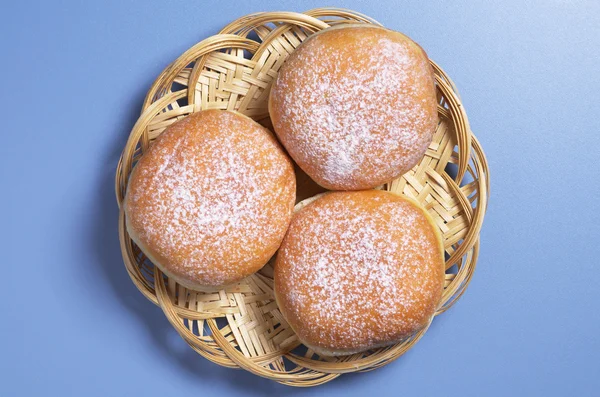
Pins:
x: 242, y: 326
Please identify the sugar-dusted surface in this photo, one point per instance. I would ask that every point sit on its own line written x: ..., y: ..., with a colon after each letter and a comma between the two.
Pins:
x: 212, y: 198
x: 359, y: 270
x: 355, y: 107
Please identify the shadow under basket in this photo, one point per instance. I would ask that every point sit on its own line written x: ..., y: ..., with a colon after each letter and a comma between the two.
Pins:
x: 242, y: 326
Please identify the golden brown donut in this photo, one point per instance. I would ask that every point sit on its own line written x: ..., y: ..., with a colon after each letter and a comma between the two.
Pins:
x: 211, y: 200
x: 355, y: 106
x: 359, y: 270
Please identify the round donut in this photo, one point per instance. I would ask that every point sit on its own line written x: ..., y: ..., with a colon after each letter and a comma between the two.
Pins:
x: 210, y: 201
x: 359, y: 270
x: 355, y: 106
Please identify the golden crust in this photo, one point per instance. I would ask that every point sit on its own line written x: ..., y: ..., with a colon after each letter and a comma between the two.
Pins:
x: 359, y: 270
x: 355, y: 106
x: 210, y: 201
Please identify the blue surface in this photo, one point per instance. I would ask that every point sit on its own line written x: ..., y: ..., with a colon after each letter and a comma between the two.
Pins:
x: 73, y: 78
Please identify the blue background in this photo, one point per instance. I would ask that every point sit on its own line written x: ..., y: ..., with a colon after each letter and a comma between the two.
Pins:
x: 73, y: 77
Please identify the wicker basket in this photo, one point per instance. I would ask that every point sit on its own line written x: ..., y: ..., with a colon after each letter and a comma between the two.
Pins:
x: 242, y: 326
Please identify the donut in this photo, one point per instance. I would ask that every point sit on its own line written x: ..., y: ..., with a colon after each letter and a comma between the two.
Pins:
x: 359, y: 270
x: 210, y: 201
x: 355, y: 106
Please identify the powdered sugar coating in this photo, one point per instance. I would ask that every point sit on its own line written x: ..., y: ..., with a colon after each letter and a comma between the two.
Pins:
x: 355, y: 107
x: 211, y: 199
x: 359, y: 270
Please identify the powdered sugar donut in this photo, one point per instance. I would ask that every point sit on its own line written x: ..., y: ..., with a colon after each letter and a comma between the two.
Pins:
x: 359, y: 270
x: 355, y: 106
x: 210, y: 201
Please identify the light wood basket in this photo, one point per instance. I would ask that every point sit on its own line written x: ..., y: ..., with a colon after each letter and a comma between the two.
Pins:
x: 242, y: 327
